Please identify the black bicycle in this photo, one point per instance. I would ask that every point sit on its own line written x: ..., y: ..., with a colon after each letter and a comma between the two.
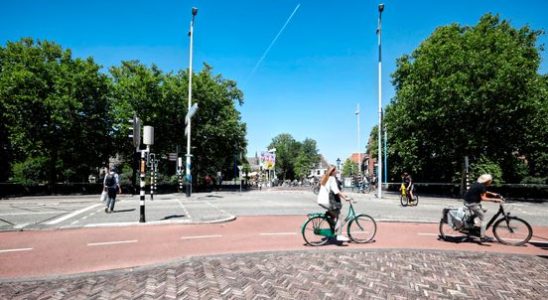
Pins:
x: 507, y: 229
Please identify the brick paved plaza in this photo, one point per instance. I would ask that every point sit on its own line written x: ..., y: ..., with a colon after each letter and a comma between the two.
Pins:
x: 333, y: 274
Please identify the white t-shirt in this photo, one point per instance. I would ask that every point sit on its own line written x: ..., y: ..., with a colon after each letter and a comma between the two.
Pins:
x: 332, y: 185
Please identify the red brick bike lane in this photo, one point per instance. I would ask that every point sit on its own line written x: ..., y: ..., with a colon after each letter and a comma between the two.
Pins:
x: 31, y: 254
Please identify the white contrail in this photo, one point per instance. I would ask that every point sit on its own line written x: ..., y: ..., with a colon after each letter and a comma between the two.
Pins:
x: 273, y: 41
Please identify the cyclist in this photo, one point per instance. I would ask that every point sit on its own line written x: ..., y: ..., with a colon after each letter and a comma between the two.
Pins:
x: 473, y: 197
x: 409, y: 186
x: 330, y: 188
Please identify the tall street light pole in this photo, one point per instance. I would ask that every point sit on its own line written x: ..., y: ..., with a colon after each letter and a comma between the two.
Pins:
x: 359, y: 147
x: 188, y: 155
x: 379, y: 154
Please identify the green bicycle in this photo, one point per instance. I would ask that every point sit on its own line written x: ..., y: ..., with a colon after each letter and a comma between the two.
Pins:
x: 319, y: 228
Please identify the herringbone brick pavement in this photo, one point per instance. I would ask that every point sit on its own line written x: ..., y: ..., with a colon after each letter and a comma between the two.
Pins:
x: 333, y: 274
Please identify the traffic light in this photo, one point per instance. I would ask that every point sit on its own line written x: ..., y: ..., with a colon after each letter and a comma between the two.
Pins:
x: 136, y: 131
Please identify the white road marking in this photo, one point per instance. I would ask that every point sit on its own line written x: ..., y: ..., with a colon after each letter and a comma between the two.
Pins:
x: 184, y: 208
x: 20, y: 226
x: 201, y: 237
x: 29, y: 213
x: 112, y: 243
x: 15, y: 250
x: 66, y: 217
x: 428, y: 234
x: 277, y: 233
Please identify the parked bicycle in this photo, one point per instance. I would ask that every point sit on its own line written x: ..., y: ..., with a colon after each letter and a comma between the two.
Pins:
x: 319, y: 228
x: 405, y: 198
x: 316, y: 188
x: 507, y: 229
x: 364, y: 187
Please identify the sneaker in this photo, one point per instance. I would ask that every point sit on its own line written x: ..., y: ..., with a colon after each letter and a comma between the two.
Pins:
x: 342, y: 238
x: 106, y: 209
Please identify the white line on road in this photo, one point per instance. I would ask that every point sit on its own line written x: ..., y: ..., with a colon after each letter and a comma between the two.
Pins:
x: 184, y: 209
x: 201, y: 237
x: 29, y: 213
x: 66, y: 217
x: 15, y: 250
x: 428, y: 234
x: 112, y: 243
x: 277, y: 233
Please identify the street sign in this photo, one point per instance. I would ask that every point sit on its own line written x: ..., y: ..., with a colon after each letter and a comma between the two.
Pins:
x: 191, y: 112
x: 172, y: 156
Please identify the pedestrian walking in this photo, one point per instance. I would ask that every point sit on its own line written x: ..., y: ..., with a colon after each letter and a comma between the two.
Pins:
x: 111, y: 184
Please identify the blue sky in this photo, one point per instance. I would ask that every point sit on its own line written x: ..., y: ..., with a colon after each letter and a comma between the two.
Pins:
x: 319, y: 69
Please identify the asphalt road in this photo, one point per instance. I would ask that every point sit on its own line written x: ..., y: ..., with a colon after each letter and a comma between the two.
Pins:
x: 30, y: 213
x: 248, y: 246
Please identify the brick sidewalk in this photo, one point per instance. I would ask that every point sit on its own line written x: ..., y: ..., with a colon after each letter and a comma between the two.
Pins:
x: 334, y: 274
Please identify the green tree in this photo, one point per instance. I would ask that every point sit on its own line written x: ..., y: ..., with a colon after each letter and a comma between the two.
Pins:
x: 287, y: 151
x: 349, y: 168
x: 54, y: 112
x: 160, y: 100
x: 308, y: 158
x: 466, y: 90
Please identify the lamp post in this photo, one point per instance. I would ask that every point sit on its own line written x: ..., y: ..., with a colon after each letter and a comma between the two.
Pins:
x: 379, y: 154
x: 359, y: 150
x: 338, y: 164
x: 188, y: 155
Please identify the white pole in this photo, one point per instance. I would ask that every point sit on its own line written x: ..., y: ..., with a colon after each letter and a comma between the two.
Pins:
x: 379, y: 154
x: 188, y: 155
x: 359, y: 147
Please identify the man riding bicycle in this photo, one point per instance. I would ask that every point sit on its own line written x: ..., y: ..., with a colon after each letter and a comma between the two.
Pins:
x: 473, y: 197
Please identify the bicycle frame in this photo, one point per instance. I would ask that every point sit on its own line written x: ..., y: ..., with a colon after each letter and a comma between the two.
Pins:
x: 351, y: 214
x: 496, y: 216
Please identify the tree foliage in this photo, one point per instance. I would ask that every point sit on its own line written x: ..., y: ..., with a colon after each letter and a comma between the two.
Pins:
x: 469, y: 91
x: 349, y: 168
x: 294, y: 159
x: 54, y: 111
x: 61, y: 119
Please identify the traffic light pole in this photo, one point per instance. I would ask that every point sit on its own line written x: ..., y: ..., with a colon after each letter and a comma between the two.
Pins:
x: 142, y: 170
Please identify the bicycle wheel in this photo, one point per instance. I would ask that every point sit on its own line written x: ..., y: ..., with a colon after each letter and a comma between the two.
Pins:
x: 447, y: 233
x: 316, y: 231
x: 316, y: 189
x: 362, y: 229
x: 404, y: 201
x: 415, y: 199
x: 514, y: 232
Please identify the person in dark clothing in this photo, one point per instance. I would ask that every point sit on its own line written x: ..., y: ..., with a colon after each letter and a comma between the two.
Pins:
x: 409, y: 186
x: 477, y: 193
x: 111, y: 184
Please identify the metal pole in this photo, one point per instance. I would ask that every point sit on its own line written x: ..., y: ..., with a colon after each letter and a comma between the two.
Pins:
x: 188, y: 155
x: 142, y: 170
x: 151, y: 178
x: 359, y: 142
x: 385, y: 159
x: 379, y: 155
x: 155, y: 175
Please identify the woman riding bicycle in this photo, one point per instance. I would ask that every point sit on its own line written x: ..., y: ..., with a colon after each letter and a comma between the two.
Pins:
x: 329, y: 198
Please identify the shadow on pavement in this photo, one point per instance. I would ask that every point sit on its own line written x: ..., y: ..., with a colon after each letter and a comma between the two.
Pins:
x: 173, y: 217
x: 123, y: 210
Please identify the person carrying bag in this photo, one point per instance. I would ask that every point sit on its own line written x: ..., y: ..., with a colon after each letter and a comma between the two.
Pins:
x: 329, y: 198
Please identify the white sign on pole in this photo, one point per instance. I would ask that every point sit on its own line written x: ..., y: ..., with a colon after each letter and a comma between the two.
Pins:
x: 191, y: 112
